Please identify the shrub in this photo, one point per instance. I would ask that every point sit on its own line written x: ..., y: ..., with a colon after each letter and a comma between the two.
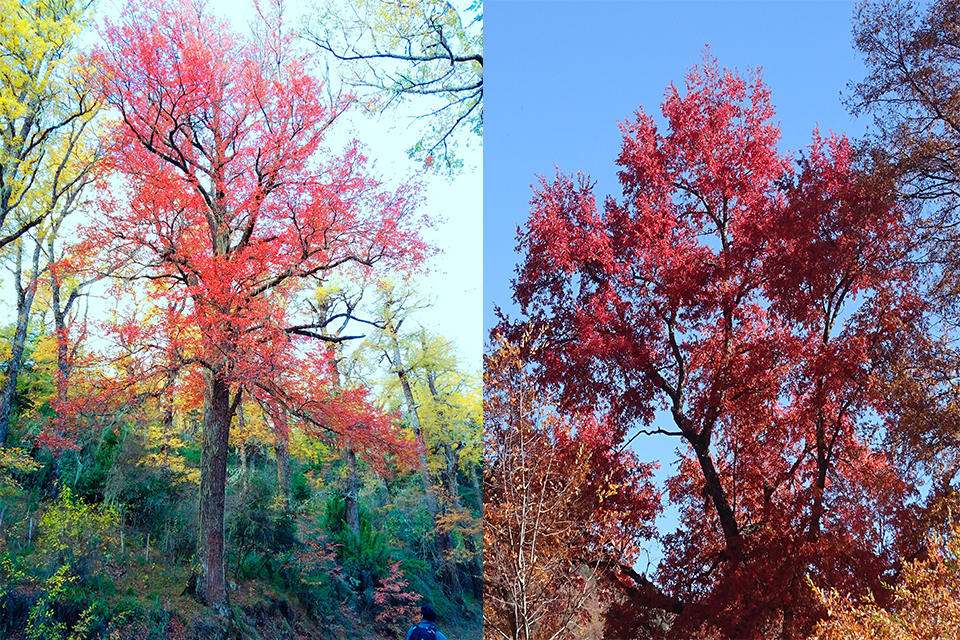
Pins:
x: 72, y: 532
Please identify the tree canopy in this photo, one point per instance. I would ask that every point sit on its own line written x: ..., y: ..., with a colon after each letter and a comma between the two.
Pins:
x: 742, y: 303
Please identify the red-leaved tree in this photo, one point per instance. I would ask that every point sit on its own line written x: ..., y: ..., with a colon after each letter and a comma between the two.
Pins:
x: 739, y: 306
x: 230, y: 208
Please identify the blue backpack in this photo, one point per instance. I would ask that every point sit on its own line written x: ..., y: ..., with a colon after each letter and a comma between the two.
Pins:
x: 423, y: 633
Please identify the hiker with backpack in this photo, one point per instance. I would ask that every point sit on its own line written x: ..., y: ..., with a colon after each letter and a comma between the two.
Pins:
x: 427, y: 629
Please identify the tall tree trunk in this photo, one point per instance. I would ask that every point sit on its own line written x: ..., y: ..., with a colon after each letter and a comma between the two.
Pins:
x: 817, y: 509
x: 242, y: 451
x: 351, y: 490
x: 476, y: 566
x: 433, y: 504
x: 210, y: 582
x: 351, y: 497
x: 477, y: 491
x: 65, y: 356
x: 244, y: 469
x: 25, y: 293
x: 283, y: 463
x: 444, y: 540
x: 713, y: 489
x: 451, y: 456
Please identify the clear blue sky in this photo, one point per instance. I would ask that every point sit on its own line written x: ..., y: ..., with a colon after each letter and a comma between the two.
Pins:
x: 561, y: 75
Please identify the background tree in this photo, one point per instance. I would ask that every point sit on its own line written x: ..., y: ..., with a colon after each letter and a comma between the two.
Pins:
x: 442, y: 425
x: 749, y: 305
x: 562, y: 504
x: 233, y: 211
x: 42, y: 92
x: 399, y: 50
x: 911, y: 91
x: 924, y: 602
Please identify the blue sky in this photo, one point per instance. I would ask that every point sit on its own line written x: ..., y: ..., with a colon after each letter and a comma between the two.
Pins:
x: 561, y: 75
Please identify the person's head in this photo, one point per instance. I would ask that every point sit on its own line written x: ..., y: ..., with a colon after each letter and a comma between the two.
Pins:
x: 428, y: 613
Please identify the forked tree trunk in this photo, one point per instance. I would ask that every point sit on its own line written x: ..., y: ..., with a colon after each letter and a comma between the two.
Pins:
x: 210, y: 581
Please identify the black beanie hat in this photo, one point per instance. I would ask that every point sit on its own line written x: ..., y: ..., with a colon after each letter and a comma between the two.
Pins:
x: 428, y: 613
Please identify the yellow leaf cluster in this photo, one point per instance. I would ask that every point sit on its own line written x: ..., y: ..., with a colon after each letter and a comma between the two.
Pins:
x: 72, y: 524
x: 925, y: 603
x: 36, y: 63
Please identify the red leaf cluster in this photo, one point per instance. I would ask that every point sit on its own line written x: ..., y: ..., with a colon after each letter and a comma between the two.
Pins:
x: 230, y: 210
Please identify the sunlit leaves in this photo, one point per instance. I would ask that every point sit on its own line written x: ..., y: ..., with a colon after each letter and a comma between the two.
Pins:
x: 923, y: 605
x: 41, y: 91
x: 742, y: 306
x: 231, y: 209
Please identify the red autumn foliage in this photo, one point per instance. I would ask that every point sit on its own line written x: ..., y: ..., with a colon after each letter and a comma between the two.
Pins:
x: 739, y: 306
x: 396, y: 604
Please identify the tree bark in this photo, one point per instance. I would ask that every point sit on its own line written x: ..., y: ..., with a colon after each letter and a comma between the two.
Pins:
x: 714, y: 490
x: 351, y: 491
x: 61, y: 311
x: 451, y: 457
x: 210, y: 582
x: 433, y: 504
x: 477, y: 491
x: 25, y: 294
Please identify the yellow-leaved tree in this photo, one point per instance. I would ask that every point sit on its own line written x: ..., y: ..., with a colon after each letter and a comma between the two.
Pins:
x: 45, y: 109
x: 42, y: 91
x: 925, y: 603
x: 441, y: 403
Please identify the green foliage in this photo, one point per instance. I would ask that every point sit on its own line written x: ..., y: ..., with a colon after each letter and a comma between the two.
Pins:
x: 351, y: 584
x: 90, y: 476
x: 365, y: 559
x: 257, y: 528
x: 16, y: 460
x: 72, y: 531
x: 41, y: 624
x: 299, y: 487
x: 35, y: 384
x: 57, y: 615
x: 153, y: 498
x: 319, y: 582
x: 364, y: 556
x: 12, y: 570
x: 13, y: 462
